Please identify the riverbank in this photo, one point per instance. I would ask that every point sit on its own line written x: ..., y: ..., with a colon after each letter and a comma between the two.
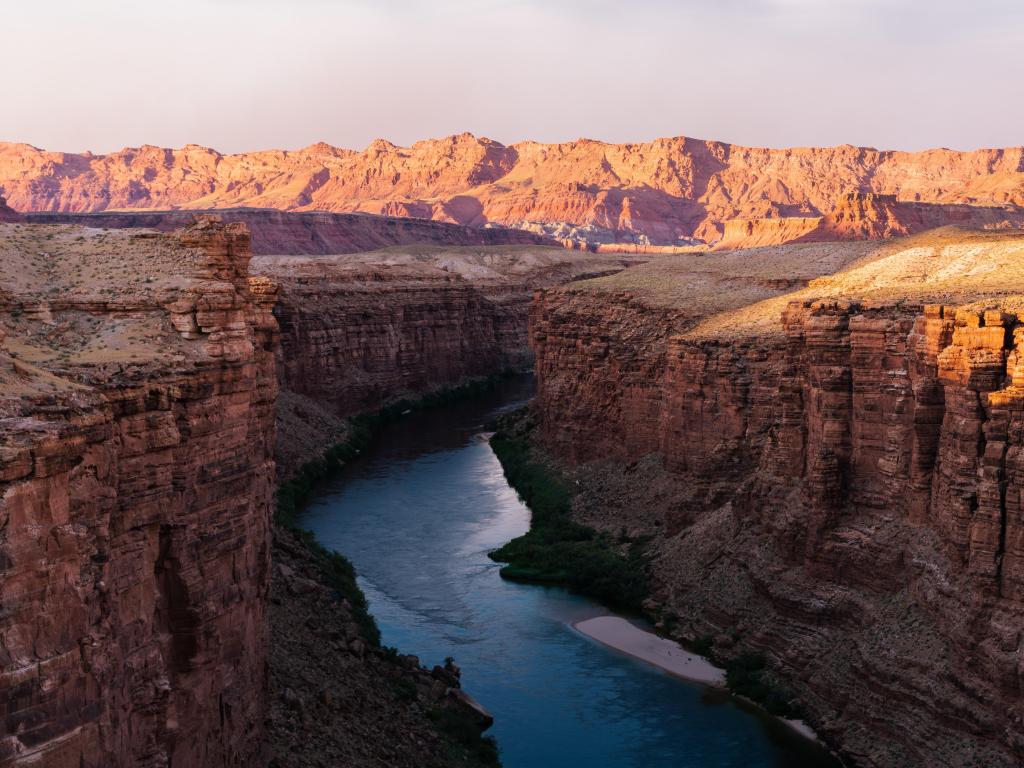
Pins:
x: 337, y: 696
x: 559, y: 550
x: 624, y: 636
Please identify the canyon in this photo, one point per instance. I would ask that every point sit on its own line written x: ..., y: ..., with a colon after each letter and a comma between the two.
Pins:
x: 155, y: 389
x: 821, y: 440
x: 674, y: 191
x: 361, y: 330
x: 823, y: 443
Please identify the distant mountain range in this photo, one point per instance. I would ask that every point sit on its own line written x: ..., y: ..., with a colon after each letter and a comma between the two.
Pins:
x: 673, y: 191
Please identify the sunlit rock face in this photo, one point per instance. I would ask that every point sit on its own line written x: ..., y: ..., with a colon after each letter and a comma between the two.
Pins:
x: 839, y: 470
x: 136, y: 483
x: 669, y: 191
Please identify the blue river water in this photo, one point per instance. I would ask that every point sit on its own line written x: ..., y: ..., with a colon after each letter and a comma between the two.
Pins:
x: 417, y: 515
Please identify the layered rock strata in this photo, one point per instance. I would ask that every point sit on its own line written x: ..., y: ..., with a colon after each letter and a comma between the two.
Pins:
x: 665, y: 192
x: 136, y: 484
x: 866, y: 216
x: 837, y: 479
x: 360, y: 330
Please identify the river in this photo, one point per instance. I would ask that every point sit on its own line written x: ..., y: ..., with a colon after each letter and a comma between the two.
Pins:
x: 417, y: 515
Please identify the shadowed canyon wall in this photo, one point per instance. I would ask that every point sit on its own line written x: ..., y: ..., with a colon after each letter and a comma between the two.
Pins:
x: 136, y: 484
x: 668, y: 191
x: 360, y: 330
x: 281, y: 232
x: 841, y: 477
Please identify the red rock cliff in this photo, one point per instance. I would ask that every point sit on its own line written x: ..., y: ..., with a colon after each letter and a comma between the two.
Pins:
x: 360, y: 330
x: 136, y: 481
x: 866, y: 216
x: 846, y: 466
x: 665, y: 191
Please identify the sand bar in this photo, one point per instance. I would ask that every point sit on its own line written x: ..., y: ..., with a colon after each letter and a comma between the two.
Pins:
x: 622, y: 635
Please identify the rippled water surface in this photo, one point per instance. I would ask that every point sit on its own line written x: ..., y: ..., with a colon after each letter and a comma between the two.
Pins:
x: 418, y: 514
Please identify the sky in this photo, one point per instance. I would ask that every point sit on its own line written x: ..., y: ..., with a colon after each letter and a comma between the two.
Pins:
x: 242, y: 75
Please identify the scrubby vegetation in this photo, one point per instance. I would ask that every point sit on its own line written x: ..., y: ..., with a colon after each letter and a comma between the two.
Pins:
x: 558, y: 550
x: 747, y: 675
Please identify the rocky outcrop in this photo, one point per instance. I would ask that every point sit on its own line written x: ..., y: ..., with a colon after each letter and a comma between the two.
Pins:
x: 866, y: 216
x: 319, y: 233
x: 136, y: 483
x: 665, y: 192
x: 359, y: 331
x: 837, y: 485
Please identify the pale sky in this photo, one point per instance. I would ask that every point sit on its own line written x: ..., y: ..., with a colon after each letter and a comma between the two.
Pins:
x: 241, y: 75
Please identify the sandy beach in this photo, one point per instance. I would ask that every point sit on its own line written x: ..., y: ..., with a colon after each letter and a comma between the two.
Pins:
x: 622, y: 635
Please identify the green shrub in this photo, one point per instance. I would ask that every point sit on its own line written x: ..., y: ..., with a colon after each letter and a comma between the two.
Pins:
x: 558, y: 550
x: 704, y: 645
x: 747, y: 675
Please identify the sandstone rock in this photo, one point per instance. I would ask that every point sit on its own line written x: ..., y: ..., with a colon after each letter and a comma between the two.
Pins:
x: 838, y: 474
x: 364, y: 329
x: 665, y: 192
x: 138, y: 483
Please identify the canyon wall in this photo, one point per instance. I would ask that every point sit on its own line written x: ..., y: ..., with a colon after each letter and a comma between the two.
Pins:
x: 669, y: 191
x: 838, y: 481
x: 866, y: 216
x: 136, y: 485
x: 360, y: 330
x: 283, y: 232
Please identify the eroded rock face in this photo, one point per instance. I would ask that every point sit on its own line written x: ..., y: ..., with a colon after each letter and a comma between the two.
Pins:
x: 847, y: 488
x: 136, y: 483
x: 866, y: 216
x: 362, y: 330
x: 668, y: 191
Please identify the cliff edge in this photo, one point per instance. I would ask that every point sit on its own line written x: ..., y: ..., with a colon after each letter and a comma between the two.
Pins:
x: 137, y: 380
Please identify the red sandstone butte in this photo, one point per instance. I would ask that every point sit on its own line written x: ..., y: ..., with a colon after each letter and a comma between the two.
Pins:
x: 136, y: 483
x: 671, y: 191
